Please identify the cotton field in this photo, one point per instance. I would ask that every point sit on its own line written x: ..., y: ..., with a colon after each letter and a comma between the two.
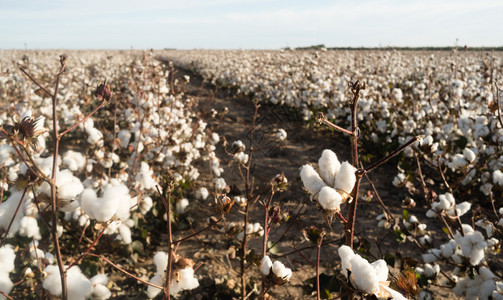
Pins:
x: 119, y: 178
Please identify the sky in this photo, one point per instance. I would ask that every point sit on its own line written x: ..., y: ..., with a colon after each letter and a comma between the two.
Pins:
x: 248, y: 24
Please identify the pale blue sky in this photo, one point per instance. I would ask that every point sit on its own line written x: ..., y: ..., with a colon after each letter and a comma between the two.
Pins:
x: 247, y: 24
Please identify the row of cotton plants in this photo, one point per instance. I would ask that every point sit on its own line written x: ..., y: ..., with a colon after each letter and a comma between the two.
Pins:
x: 141, y: 134
x: 449, y: 99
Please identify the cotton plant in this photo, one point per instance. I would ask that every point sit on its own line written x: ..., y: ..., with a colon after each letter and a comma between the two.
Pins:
x: 332, y: 184
x: 182, y: 275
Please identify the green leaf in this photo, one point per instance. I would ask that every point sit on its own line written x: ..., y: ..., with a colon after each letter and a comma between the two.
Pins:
x: 405, y: 214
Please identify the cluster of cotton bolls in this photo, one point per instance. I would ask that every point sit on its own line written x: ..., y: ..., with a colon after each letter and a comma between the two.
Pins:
x: 370, y: 278
x: 182, y: 275
x: 447, y: 203
x: 79, y: 286
x: 333, y: 183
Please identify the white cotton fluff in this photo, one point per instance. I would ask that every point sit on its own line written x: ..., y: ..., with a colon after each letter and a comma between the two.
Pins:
x: 124, y: 137
x: 114, y: 201
x: 79, y: 287
x: 241, y: 157
x: 7, y: 257
x: 146, y: 204
x: 5, y: 284
x: 74, y: 160
x: 281, y: 134
x: 185, y: 281
x: 461, y: 209
x: 29, y: 228
x: 266, y: 265
x: 458, y: 161
x: 329, y: 199
x: 153, y: 291
x: 281, y: 271
x: 311, y: 179
x: 95, y: 137
x: 145, y: 177
x: 100, y: 290
x: 181, y: 205
x: 469, y: 155
x: 364, y: 276
x: 202, y: 193
x: 125, y: 233
x: 69, y: 187
x: 329, y: 166
x: 346, y: 178
x: 7, y: 210
x: 498, y: 177
x: 219, y: 183
x: 399, y: 179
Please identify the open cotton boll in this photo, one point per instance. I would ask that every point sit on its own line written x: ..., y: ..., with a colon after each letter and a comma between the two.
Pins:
x: 146, y: 204
x: 266, y: 265
x: 311, y: 179
x: 469, y: 155
x: 7, y: 257
x: 5, y: 284
x: 29, y: 228
x: 329, y: 199
x: 281, y: 271
x: 95, y: 137
x: 124, y: 137
x: 187, y: 281
x: 119, y: 192
x: 202, y: 193
x: 88, y: 202
x: 153, y: 291
x: 181, y: 205
x: 329, y: 166
x: 79, y: 287
x: 220, y: 184
x: 161, y: 262
x: 74, y: 160
x: 461, y: 209
x: 125, y: 233
x: 498, y: 177
x: 345, y: 178
x: 7, y: 210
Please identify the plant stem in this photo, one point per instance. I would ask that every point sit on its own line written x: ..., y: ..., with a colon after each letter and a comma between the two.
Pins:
x: 54, y: 225
x: 318, y: 248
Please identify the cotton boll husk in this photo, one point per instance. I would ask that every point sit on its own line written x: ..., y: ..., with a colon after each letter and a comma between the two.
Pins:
x: 153, y: 291
x: 311, y: 179
x: 329, y: 166
x: 7, y: 210
x: 29, y: 228
x: 345, y: 178
x: 7, y: 257
x: 125, y: 234
x: 5, y: 283
x: 266, y: 265
x: 329, y: 199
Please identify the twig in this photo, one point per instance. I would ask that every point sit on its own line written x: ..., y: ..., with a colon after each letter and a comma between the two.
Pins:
x: 391, y: 155
x: 36, y: 82
x: 318, y: 253
x: 124, y: 271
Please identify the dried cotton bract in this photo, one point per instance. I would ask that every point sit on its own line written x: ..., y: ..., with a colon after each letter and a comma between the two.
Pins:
x: 333, y: 183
